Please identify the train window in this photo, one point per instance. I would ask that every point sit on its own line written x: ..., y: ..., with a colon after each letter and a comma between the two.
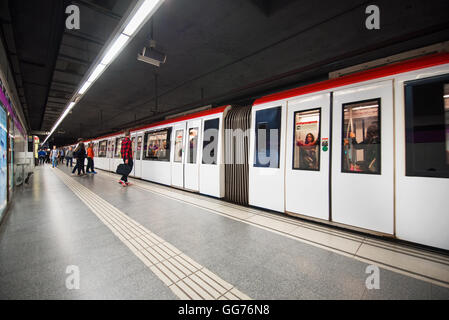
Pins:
x: 210, y: 141
x: 361, y: 137
x: 139, y: 147
x: 268, y: 135
x: 118, y: 147
x: 427, y: 127
x: 133, y: 145
x: 193, y: 145
x: 103, y: 148
x: 157, y: 145
x: 110, y: 148
x: 178, y: 145
x: 306, y: 149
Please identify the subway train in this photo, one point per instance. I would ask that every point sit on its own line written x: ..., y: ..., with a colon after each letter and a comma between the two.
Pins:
x: 367, y: 151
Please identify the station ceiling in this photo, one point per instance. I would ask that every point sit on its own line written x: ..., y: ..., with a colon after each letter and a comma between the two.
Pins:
x: 218, y: 52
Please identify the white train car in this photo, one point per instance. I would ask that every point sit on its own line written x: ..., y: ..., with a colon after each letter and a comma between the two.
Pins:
x: 170, y: 152
x: 368, y: 151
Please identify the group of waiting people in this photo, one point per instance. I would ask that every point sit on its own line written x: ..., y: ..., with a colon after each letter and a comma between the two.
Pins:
x: 80, y: 153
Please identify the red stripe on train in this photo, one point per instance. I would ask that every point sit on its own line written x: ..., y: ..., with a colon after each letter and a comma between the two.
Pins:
x: 380, y: 72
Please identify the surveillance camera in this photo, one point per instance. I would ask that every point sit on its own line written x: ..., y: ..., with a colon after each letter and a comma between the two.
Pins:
x: 152, y: 56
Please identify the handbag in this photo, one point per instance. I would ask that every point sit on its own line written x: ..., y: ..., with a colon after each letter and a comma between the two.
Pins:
x: 123, y: 169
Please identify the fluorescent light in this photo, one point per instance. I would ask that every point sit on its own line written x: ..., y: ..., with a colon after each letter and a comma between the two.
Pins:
x: 446, y: 96
x: 114, y: 49
x: 146, y: 9
x: 96, y: 73
x: 140, y: 15
x: 84, y: 88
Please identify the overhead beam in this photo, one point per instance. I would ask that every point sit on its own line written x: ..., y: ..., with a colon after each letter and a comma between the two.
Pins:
x: 99, y: 9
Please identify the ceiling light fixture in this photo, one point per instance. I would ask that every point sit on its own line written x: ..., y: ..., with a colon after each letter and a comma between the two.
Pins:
x: 115, y: 49
x: 96, y: 73
x: 143, y: 10
x: 146, y: 9
x: 84, y: 88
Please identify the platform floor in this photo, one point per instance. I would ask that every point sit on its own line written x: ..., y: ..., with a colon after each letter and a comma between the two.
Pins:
x: 148, y: 241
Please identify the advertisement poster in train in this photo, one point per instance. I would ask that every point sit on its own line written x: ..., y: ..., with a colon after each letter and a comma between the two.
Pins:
x: 3, y: 158
x: 306, y: 155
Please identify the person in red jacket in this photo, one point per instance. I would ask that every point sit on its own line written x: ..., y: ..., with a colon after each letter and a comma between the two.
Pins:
x: 127, y: 156
x: 90, y: 159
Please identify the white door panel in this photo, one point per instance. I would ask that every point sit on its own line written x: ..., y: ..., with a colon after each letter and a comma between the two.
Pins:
x: 266, y: 184
x: 177, y: 176
x: 307, y: 166
x: 362, y: 172
x: 192, y: 147
x: 138, y: 156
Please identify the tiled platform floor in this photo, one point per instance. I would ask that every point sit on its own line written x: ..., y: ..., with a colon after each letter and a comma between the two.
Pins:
x: 51, y: 227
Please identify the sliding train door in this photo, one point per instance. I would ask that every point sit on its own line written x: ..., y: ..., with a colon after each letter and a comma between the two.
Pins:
x: 192, y: 161
x: 177, y: 167
x: 137, y: 154
x: 307, y: 167
x: 363, y: 157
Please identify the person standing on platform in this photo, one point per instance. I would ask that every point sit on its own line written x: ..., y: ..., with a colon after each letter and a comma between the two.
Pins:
x: 69, y: 157
x: 54, y: 157
x: 61, y: 155
x: 127, y: 156
x: 90, y: 159
x: 80, y: 155
x: 42, y: 154
x: 74, y: 154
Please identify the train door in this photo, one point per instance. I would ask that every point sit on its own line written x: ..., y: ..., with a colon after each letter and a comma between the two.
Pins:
x: 137, y: 152
x: 177, y: 167
x: 363, y: 157
x: 307, y: 167
x: 133, y: 148
x: 111, y: 155
x: 192, y: 167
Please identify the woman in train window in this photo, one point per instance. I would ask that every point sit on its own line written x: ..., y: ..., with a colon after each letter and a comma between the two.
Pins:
x: 308, y: 152
x: 371, y: 150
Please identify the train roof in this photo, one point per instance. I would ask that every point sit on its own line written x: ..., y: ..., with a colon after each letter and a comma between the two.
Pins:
x: 374, y: 73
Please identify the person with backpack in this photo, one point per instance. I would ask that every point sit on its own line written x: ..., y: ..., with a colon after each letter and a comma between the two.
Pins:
x: 42, y: 154
x: 127, y: 156
x: 80, y: 154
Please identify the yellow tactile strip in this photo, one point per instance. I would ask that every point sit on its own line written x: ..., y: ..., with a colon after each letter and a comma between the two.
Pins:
x: 186, y: 278
x: 420, y: 264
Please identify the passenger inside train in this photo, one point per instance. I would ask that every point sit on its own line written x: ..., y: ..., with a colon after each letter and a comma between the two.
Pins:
x: 361, y: 138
